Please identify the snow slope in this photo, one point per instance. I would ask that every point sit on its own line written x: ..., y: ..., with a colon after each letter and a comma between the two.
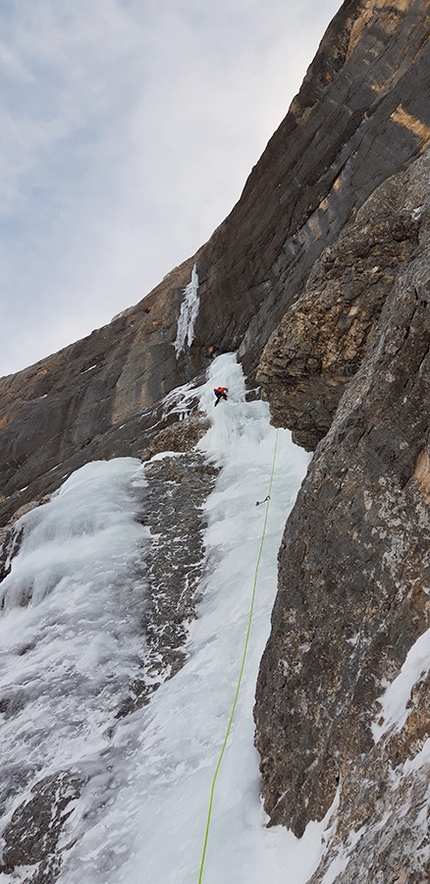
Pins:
x: 142, y: 816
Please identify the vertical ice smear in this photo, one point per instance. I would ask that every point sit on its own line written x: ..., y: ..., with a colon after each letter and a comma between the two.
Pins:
x: 70, y: 633
x: 87, y: 530
x: 188, y: 314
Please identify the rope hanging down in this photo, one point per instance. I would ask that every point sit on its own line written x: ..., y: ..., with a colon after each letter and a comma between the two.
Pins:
x: 242, y: 667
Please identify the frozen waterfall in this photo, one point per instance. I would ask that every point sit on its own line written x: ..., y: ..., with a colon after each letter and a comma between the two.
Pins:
x: 72, y: 643
x: 188, y: 315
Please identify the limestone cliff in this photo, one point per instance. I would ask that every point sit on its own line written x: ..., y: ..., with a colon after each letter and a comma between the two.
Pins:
x: 319, y: 279
x: 350, y: 366
x: 361, y: 115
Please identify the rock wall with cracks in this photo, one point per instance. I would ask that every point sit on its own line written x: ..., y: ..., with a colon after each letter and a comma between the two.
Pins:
x: 354, y: 563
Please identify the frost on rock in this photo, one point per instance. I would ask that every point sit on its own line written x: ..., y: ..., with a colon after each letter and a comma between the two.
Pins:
x: 396, y: 701
x: 188, y: 315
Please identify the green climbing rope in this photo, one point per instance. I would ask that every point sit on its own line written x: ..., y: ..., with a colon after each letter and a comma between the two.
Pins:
x: 242, y: 668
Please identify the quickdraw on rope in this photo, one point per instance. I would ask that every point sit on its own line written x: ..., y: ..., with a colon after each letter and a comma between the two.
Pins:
x: 242, y: 668
x: 259, y: 502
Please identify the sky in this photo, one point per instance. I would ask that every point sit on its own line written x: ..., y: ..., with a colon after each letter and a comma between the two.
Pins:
x: 129, y: 128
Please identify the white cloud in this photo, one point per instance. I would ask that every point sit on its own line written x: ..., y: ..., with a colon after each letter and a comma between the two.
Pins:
x: 129, y: 128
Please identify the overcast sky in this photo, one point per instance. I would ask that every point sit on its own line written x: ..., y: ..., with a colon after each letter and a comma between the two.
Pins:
x: 128, y: 129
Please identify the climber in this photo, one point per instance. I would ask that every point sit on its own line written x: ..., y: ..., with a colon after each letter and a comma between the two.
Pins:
x: 220, y: 393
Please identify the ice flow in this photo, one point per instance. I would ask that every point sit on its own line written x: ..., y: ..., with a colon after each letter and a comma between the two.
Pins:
x: 71, y: 644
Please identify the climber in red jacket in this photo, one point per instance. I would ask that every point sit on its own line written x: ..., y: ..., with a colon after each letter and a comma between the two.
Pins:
x: 220, y: 393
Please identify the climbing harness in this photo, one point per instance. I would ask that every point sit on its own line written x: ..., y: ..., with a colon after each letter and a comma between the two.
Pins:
x: 242, y: 667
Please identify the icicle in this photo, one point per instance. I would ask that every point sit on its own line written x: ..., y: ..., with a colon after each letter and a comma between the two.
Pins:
x: 188, y: 315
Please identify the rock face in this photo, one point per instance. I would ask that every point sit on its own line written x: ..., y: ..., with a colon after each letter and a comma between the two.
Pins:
x: 322, y: 340
x: 361, y: 115
x: 354, y: 561
x: 97, y: 398
x: 31, y: 837
x: 175, y: 564
x: 320, y: 279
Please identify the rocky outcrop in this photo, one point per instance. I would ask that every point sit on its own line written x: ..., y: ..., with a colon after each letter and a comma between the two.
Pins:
x: 354, y: 566
x: 361, y: 115
x: 380, y: 826
x: 31, y: 837
x: 322, y: 340
x: 177, y: 487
